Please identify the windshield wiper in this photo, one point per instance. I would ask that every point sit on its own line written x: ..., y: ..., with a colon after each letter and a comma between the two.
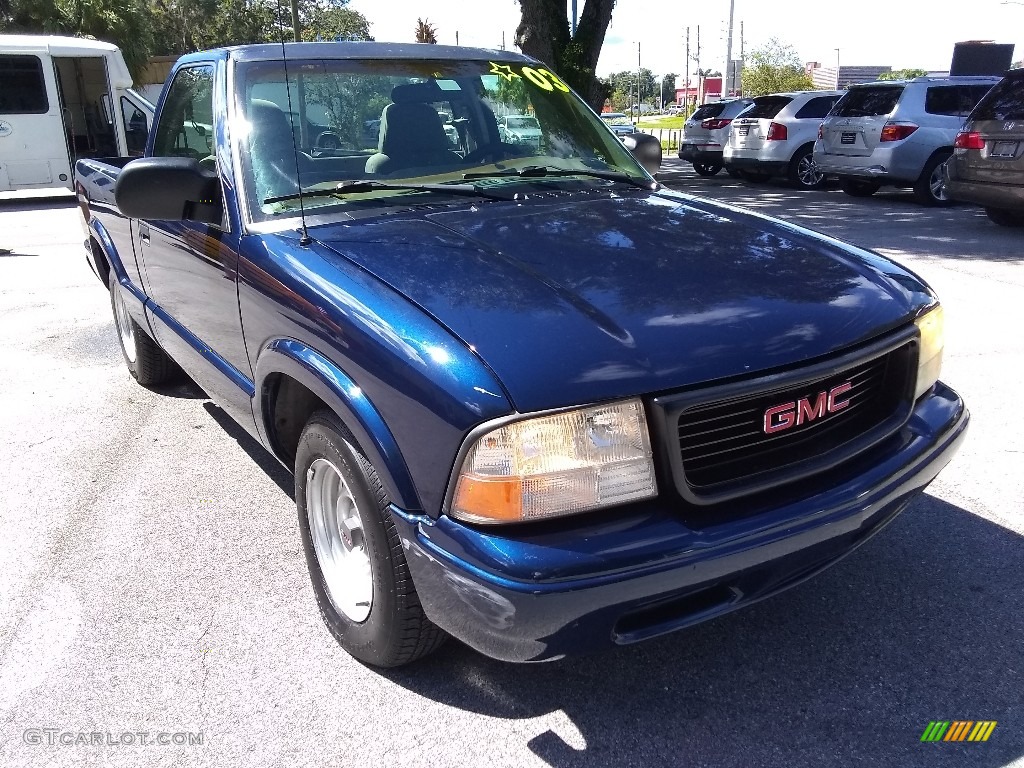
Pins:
x: 540, y: 171
x: 369, y: 185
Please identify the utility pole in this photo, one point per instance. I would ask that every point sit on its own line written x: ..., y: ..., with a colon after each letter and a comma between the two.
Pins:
x: 700, y: 77
x: 743, y: 59
x: 574, y: 18
x: 727, y: 83
x: 686, y: 84
x: 639, y: 97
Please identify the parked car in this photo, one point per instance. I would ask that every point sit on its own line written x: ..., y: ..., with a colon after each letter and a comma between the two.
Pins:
x: 775, y: 137
x: 619, y: 122
x: 705, y: 133
x: 542, y: 404
x: 987, y: 167
x: 897, y: 133
x: 520, y: 129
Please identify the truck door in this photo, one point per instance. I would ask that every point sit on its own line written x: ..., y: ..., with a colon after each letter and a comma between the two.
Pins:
x: 190, y: 267
x: 33, y: 147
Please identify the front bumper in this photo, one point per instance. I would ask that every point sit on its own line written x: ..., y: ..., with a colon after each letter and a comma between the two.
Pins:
x: 536, y: 593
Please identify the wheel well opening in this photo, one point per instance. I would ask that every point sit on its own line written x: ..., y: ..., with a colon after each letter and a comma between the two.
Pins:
x: 289, y: 406
x: 101, y: 260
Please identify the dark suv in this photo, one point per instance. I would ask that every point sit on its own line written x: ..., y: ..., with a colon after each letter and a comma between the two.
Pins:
x: 987, y: 166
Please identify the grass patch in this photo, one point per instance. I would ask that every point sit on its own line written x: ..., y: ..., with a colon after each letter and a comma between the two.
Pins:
x: 673, y: 122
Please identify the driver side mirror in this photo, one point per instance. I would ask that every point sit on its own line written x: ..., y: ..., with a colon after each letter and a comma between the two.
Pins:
x: 646, y: 149
x: 168, y: 189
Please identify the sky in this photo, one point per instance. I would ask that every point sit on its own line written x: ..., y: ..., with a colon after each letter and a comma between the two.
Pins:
x: 866, y: 32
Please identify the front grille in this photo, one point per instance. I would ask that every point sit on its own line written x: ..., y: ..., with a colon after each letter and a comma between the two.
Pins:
x: 719, y: 445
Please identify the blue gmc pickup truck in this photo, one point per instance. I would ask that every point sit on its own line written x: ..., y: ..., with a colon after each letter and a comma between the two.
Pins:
x: 531, y: 399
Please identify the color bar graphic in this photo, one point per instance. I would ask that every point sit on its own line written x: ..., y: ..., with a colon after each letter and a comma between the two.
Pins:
x: 958, y: 730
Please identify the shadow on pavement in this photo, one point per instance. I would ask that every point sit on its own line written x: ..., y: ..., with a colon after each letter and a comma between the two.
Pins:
x: 960, y: 232
x: 923, y: 623
x: 260, y: 455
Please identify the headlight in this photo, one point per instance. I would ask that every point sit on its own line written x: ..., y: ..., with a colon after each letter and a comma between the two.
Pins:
x: 930, y: 360
x: 556, y: 465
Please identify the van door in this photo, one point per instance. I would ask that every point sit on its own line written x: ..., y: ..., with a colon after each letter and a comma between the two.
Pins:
x: 136, y: 116
x: 84, y: 87
x: 33, y: 148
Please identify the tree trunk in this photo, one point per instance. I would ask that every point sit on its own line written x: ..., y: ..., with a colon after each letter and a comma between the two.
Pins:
x: 543, y: 33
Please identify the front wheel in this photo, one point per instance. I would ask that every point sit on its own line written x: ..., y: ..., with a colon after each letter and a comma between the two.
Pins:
x: 930, y: 187
x: 146, y: 361
x: 803, y: 173
x: 1005, y: 218
x: 707, y: 169
x: 359, y: 573
x: 858, y: 188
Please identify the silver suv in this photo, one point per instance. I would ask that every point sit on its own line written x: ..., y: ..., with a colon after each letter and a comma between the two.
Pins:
x: 705, y: 133
x: 899, y: 133
x: 775, y: 136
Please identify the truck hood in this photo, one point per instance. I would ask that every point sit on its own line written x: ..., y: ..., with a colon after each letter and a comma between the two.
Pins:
x: 578, y: 298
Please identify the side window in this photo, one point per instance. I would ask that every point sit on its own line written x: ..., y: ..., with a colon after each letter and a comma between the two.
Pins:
x: 817, y: 108
x: 23, y: 91
x: 953, y: 100
x: 185, y: 126
x: 135, y: 129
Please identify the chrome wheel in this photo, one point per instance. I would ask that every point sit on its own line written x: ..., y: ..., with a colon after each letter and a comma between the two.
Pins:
x: 807, y: 172
x: 339, y: 541
x: 937, y: 183
x: 125, y: 326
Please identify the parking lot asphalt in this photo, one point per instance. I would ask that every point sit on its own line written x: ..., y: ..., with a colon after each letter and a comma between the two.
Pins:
x: 152, y: 580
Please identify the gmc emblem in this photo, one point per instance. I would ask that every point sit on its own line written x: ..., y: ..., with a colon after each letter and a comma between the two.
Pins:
x: 782, y: 417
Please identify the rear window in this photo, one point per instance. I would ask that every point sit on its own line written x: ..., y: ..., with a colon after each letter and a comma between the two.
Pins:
x: 817, y: 107
x: 1004, y: 102
x: 23, y: 92
x: 767, y: 106
x: 868, y: 102
x: 953, y: 100
x: 734, y: 108
x: 707, y: 110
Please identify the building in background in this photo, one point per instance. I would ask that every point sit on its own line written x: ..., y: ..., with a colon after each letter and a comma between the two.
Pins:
x: 825, y: 77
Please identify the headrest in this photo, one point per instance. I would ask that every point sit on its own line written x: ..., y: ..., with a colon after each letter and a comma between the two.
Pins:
x: 419, y: 92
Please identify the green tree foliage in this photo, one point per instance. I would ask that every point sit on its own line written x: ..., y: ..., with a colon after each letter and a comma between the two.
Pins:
x: 123, y: 22
x: 624, y: 83
x: 774, y: 68
x: 143, y: 28
x: 333, y: 21
x: 545, y: 34
x: 668, y: 88
x: 425, y: 31
x: 903, y: 74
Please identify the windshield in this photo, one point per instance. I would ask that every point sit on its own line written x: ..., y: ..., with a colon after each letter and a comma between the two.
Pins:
x: 338, y: 121
x: 868, y: 102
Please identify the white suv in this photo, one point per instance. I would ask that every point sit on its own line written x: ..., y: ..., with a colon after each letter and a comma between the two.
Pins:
x: 775, y: 137
x: 899, y: 132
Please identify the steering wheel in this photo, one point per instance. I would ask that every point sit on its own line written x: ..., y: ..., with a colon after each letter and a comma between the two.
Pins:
x: 498, y: 150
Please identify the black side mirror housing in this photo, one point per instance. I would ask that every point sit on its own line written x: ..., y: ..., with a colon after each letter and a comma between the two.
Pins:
x: 646, y: 149
x: 168, y: 189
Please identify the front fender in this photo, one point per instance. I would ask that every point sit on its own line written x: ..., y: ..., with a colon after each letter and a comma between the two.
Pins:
x: 342, y: 395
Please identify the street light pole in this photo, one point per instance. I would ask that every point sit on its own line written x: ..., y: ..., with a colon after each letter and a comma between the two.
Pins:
x: 837, y: 69
x: 638, y: 94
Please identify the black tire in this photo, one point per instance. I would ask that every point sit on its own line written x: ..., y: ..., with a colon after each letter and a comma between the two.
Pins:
x: 802, y: 173
x: 1005, y: 218
x: 858, y: 188
x: 396, y: 631
x: 755, y: 177
x: 928, y: 189
x: 707, y: 169
x: 146, y: 361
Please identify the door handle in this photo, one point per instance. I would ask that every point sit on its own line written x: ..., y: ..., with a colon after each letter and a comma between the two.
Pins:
x: 144, y: 232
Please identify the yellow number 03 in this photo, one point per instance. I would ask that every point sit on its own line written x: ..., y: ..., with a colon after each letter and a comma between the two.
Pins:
x: 542, y: 78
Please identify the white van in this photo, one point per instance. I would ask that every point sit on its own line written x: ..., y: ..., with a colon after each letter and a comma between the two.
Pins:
x: 61, y: 99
